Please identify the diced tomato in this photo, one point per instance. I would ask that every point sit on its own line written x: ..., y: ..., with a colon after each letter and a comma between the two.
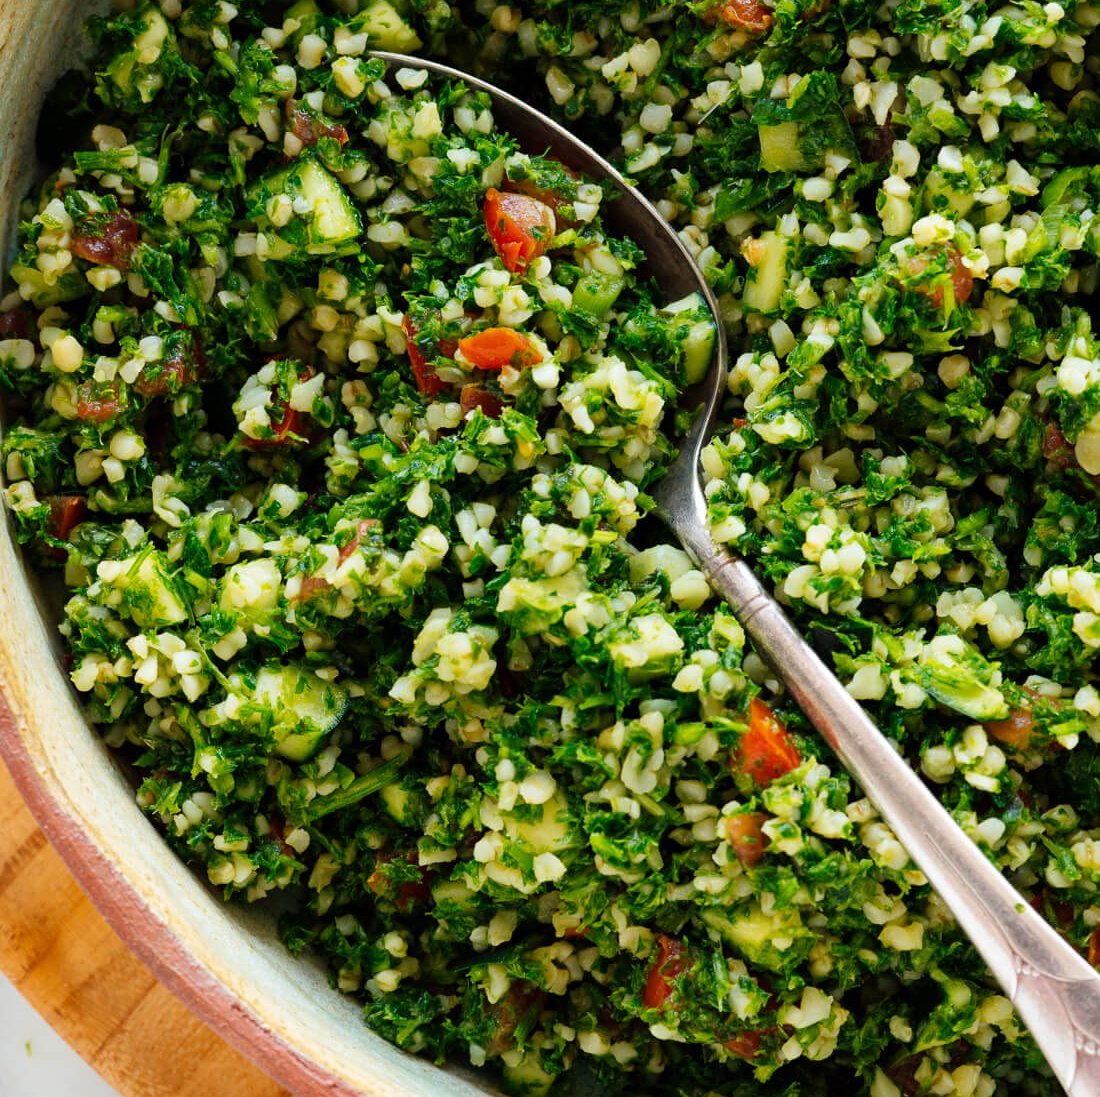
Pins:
x: 278, y: 833
x: 766, y: 750
x: 474, y: 396
x: 17, y: 324
x: 66, y: 513
x: 748, y: 15
x: 746, y: 1045
x: 356, y: 540
x: 962, y: 281
x: 546, y: 195
x: 308, y: 127
x: 520, y: 227
x: 673, y: 959
x: 428, y: 382
x: 746, y: 836
x: 1015, y: 731
x: 521, y: 1003
x: 1057, y: 449
x: 311, y: 586
x: 495, y: 348
x: 404, y: 895
x: 97, y: 403
x: 106, y: 239
x: 173, y: 373
x: 289, y: 426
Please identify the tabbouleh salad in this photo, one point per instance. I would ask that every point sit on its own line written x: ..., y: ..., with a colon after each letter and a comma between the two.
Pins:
x: 337, y: 412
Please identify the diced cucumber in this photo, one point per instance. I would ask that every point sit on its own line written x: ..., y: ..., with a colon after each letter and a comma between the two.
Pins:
x: 307, y: 14
x: 779, y: 148
x: 304, y: 708
x: 597, y: 293
x: 527, y: 1078
x: 67, y: 288
x: 404, y: 806
x: 134, y: 70
x: 331, y: 219
x: 957, y: 683
x: 149, y: 593
x: 754, y: 933
x: 453, y: 891
x: 768, y: 274
x: 544, y: 832
x: 937, y: 190
x: 385, y: 28
x: 698, y: 344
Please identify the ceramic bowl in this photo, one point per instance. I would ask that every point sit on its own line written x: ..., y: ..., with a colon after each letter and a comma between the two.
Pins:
x: 225, y: 963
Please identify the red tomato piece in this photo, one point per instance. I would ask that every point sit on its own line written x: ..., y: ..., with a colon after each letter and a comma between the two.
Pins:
x: 962, y: 281
x: 404, y: 895
x: 520, y: 227
x: 521, y: 1002
x: 746, y: 836
x: 108, y: 239
x: 173, y: 373
x: 428, y: 382
x: 348, y: 550
x: 673, y: 959
x: 1015, y: 731
x: 474, y: 396
x: 1094, y: 948
x: 290, y: 425
x: 766, y: 750
x: 66, y: 513
x: 97, y: 403
x: 495, y: 348
x: 309, y: 128
x: 745, y: 1045
x: 748, y: 15
x: 1057, y: 449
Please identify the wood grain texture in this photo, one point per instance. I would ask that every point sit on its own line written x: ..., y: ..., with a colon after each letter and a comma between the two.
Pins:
x: 78, y: 974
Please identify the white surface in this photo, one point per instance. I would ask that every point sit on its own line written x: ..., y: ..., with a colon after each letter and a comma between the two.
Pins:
x: 34, y: 1060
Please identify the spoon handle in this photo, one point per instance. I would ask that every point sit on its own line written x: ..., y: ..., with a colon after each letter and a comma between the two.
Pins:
x: 1054, y: 990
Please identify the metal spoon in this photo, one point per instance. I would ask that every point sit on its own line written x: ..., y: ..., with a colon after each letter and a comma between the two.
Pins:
x: 1055, y: 992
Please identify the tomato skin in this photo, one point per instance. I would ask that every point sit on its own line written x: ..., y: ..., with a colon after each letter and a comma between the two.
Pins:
x: 309, y: 128
x: 428, y: 382
x: 362, y: 530
x: 520, y: 227
x: 746, y: 836
x: 174, y: 373
x: 97, y: 403
x: 745, y: 1045
x: 962, y: 281
x: 474, y: 396
x: 1014, y: 731
x: 404, y: 895
x: 495, y: 348
x: 766, y: 750
x: 673, y: 959
x: 290, y: 424
x: 66, y: 512
x: 108, y: 240
x: 521, y: 1001
x: 748, y: 15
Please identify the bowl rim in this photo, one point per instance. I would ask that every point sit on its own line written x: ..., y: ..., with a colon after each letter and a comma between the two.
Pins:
x: 154, y: 942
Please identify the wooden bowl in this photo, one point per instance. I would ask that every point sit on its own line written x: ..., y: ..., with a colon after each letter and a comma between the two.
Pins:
x: 224, y: 962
